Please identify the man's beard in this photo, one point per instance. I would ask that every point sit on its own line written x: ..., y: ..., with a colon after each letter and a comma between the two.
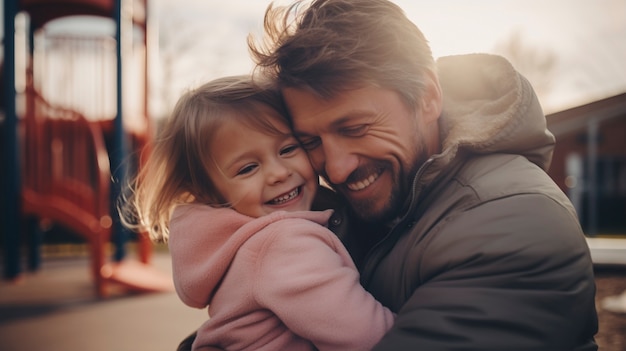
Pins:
x: 367, y: 211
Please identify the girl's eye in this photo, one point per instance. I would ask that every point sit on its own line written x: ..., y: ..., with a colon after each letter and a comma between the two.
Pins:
x: 289, y: 149
x: 246, y: 169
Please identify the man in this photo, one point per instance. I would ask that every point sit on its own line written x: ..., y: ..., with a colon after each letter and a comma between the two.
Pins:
x: 459, y: 230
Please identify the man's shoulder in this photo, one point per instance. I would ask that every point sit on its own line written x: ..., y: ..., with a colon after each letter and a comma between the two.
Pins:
x: 498, y: 175
x: 494, y: 178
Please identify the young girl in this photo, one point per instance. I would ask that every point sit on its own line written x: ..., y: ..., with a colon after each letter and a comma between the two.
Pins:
x: 228, y: 186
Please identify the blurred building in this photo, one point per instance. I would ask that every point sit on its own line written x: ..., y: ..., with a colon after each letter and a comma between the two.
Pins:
x: 589, y: 162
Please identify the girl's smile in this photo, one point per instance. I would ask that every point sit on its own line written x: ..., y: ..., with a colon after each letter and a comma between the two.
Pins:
x: 273, y: 167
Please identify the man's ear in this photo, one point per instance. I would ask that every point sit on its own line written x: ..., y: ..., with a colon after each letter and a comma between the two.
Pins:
x: 432, y: 99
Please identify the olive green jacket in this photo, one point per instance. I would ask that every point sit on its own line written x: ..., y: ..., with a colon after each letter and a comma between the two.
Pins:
x: 489, y: 254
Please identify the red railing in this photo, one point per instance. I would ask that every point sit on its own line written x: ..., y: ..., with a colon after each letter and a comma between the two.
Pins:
x: 66, y: 175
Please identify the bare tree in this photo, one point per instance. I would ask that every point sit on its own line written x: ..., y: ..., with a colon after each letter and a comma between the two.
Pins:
x: 536, y: 64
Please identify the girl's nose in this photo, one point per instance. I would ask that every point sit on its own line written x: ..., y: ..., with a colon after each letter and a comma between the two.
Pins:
x: 277, y: 172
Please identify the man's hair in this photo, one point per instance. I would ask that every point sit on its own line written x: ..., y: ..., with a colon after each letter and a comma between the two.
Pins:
x: 335, y: 45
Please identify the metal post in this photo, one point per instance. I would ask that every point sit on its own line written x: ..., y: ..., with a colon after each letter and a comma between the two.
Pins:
x: 592, y: 181
x: 119, y: 145
x: 12, y: 185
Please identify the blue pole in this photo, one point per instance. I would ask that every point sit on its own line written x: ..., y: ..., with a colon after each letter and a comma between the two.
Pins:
x: 32, y: 224
x: 592, y: 178
x: 12, y: 185
x: 118, y: 150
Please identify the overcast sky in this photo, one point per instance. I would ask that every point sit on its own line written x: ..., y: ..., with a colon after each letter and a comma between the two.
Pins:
x: 588, y: 38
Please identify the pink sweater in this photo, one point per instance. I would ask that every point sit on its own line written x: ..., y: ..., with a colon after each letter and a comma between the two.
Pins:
x: 279, y: 282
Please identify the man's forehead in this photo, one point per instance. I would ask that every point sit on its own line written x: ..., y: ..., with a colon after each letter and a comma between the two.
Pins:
x: 293, y: 96
x: 305, y: 102
x: 306, y: 107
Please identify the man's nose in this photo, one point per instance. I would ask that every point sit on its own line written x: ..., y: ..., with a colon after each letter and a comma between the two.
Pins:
x: 339, y: 161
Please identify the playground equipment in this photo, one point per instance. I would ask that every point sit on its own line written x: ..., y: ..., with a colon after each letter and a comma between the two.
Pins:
x: 70, y: 130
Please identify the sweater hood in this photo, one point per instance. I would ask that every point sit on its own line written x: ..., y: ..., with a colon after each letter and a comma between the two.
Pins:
x: 203, y: 243
x: 488, y: 107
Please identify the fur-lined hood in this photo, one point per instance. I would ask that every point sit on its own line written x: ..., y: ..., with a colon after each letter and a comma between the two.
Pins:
x: 488, y: 107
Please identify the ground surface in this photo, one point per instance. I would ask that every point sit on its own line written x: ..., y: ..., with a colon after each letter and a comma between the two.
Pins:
x: 612, y: 326
x: 58, y: 306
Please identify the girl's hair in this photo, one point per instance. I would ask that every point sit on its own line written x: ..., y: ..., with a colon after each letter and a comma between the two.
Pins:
x: 333, y: 45
x: 176, y: 170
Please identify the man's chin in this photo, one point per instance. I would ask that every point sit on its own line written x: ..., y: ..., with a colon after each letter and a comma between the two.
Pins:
x: 370, y: 213
x: 377, y: 203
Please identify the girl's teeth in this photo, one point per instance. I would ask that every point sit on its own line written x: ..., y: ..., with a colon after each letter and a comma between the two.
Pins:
x: 286, y: 197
